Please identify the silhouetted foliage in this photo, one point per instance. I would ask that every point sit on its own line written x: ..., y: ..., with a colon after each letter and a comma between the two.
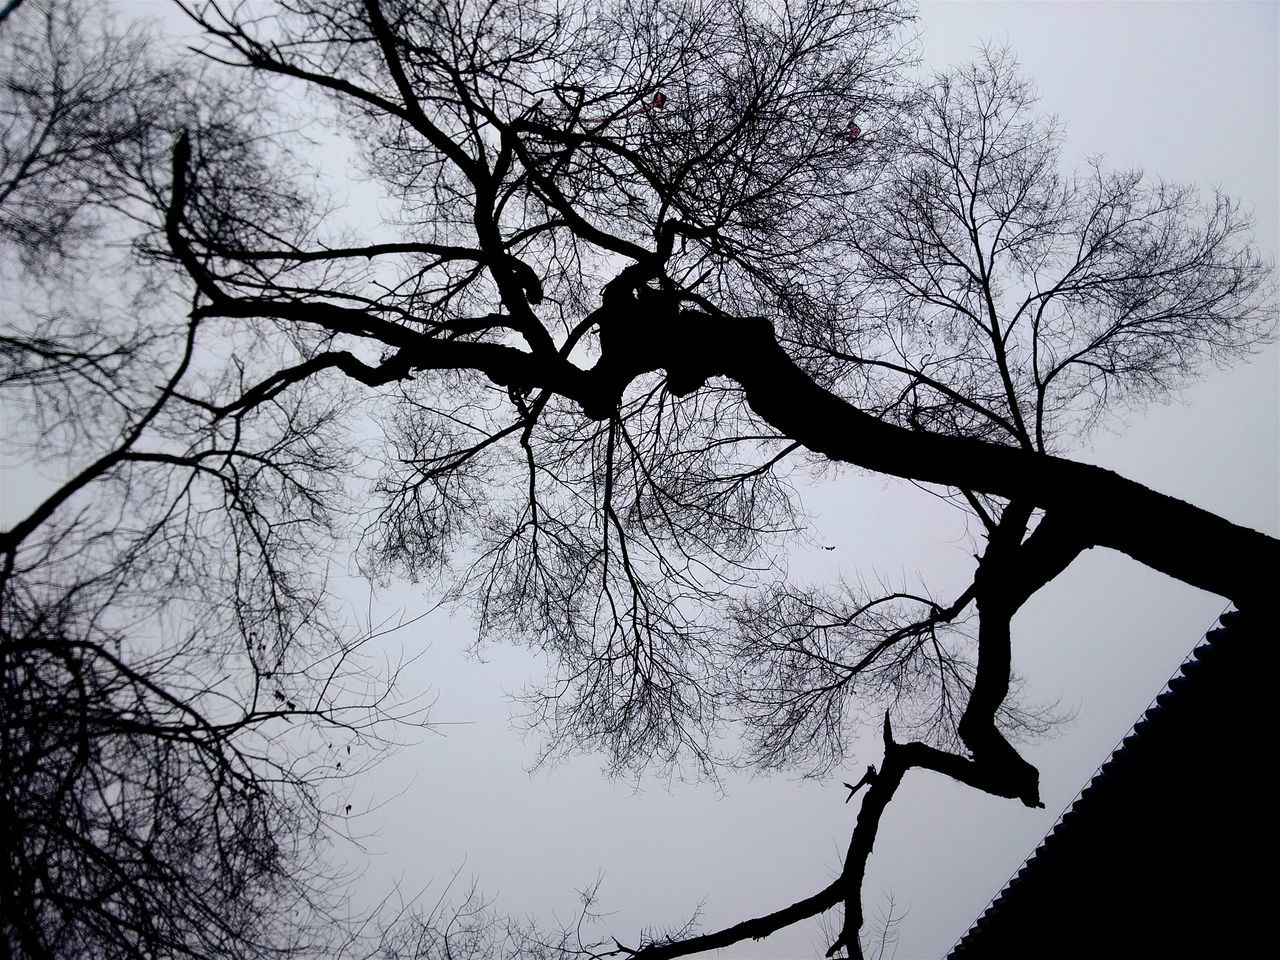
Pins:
x: 632, y: 279
x: 168, y: 658
x: 466, y: 927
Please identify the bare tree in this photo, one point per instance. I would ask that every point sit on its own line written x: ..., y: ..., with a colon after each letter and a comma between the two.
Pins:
x: 638, y: 272
x: 76, y: 128
x: 177, y: 701
x: 465, y: 926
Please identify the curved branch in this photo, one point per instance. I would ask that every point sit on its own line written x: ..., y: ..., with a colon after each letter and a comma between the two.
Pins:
x: 1100, y: 507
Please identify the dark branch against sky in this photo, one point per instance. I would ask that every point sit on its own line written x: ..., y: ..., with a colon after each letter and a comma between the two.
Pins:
x: 574, y: 377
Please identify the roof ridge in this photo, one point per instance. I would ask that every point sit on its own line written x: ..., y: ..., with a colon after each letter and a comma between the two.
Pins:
x: 1129, y: 751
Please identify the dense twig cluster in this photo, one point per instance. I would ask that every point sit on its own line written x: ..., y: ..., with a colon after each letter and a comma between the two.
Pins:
x: 602, y: 340
x: 168, y: 659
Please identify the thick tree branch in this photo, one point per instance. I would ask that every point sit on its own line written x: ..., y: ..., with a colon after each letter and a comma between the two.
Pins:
x: 645, y: 334
x: 1100, y: 507
x: 754, y: 929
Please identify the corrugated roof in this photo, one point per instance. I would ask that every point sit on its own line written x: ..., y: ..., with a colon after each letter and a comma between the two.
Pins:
x: 1152, y: 849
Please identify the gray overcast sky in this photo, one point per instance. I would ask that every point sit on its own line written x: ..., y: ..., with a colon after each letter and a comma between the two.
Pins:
x: 1189, y: 91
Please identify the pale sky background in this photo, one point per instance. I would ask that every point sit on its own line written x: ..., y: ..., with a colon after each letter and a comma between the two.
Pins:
x: 1188, y: 91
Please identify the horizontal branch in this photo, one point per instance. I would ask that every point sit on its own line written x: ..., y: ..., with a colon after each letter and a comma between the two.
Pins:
x: 754, y: 929
x: 367, y: 251
x: 643, y: 332
x: 1101, y: 507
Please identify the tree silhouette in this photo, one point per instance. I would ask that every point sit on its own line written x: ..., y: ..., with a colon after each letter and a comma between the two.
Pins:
x: 166, y: 663
x: 598, y: 338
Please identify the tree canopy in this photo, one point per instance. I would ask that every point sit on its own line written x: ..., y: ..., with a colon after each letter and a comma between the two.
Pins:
x: 629, y: 282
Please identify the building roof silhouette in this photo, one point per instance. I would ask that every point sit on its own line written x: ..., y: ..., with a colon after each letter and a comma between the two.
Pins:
x: 1165, y: 852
